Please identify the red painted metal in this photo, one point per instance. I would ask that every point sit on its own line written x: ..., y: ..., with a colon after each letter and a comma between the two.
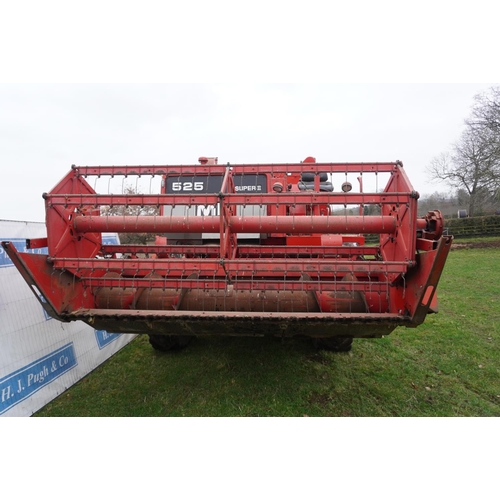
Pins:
x: 34, y: 243
x: 236, y: 224
x: 249, y: 251
x: 293, y: 253
x: 285, y: 198
x: 268, y: 168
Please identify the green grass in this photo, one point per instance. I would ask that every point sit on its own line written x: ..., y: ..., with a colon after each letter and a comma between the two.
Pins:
x: 477, y: 239
x: 449, y: 366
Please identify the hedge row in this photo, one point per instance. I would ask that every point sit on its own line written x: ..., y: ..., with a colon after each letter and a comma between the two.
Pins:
x: 473, y: 226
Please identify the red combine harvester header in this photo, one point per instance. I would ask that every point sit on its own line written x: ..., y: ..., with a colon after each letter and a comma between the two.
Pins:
x: 264, y: 249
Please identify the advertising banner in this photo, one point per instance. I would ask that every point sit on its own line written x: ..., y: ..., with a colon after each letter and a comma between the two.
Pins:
x: 41, y: 357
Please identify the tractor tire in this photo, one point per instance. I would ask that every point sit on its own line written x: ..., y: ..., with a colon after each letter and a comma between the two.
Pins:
x: 167, y: 343
x: 334, y: 344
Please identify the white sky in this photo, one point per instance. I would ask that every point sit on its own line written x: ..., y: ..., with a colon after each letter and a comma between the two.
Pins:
x: 45, y: 128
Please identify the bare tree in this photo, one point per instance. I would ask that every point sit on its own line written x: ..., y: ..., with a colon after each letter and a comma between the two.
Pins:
x: 132, y: 210
x: 486, y: 111
x: 473, y: 164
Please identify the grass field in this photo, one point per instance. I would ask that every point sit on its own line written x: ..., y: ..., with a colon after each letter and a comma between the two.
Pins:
x: 449, y: 366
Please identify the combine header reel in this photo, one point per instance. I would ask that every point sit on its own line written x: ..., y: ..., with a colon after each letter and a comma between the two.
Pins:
x: 309, y: 249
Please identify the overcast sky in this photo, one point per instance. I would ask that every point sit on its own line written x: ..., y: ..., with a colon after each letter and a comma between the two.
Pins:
x: 45, y: 128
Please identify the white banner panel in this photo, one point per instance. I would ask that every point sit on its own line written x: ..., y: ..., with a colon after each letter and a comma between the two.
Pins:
x: 41, y: 357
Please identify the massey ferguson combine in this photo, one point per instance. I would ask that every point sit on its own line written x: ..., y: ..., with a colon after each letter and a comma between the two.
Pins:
x: 306, y: 249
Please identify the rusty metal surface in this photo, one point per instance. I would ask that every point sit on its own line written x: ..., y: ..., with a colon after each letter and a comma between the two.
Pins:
x: 278, y: 168
x: 319, y: 325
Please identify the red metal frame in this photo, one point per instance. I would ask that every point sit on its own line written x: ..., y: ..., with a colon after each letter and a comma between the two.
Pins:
x: 314, y: 260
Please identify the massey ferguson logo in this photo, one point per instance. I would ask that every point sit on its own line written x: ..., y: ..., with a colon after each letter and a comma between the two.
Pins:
x: 208, y: 211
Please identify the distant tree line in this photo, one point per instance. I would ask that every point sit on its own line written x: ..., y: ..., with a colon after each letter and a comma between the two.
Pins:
x: 452, y: 202
x: 472, y: 165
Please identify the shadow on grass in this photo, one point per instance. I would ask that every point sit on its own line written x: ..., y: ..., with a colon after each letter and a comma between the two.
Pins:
x: 225, y: 376
x: 401, y: 375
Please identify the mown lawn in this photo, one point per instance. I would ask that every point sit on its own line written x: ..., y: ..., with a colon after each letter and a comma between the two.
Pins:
x: 449, y: 366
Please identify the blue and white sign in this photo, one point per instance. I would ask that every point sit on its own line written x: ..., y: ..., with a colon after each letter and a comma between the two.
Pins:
x: 21, y: 384
x: 104, y: 338
x: 40, y: 359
